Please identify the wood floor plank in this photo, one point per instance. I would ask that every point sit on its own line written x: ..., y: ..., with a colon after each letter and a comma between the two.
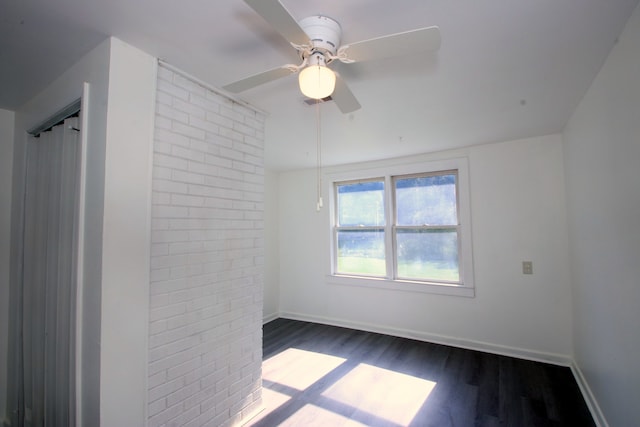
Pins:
x: 320, y: 375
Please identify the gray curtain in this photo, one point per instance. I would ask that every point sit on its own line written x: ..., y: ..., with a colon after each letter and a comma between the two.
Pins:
x: 47, y: 305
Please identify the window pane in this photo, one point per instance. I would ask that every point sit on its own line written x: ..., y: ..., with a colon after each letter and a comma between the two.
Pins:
x: 361, y: 203
x: 427, y: 254
x: 426, y: 200
x: 361, y: 252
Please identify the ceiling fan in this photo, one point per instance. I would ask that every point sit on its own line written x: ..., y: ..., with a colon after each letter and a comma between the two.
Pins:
x: 317, y: 40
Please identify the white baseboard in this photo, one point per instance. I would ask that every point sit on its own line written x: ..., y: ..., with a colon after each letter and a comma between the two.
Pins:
x: 246, y: 420
x: 520, y: 353
x: 589, y: 398
x: 269, y: 317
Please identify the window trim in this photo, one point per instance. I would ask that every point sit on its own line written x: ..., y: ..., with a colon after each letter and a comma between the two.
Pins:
x: 466, y: 286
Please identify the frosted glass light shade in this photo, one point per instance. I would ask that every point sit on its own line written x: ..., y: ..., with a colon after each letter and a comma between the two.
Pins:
x: 317, y: 81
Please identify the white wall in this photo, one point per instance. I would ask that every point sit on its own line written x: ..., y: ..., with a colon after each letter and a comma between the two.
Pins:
x: 116, y: 267
x: 602, y: 150
x: 518, y: 213
x: 6, y: 160
x: 271, y: 305
x: 126, y: 236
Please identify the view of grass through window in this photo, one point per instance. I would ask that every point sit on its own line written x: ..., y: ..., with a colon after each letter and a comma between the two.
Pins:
x: 424, y: 228
x: 361, y: 236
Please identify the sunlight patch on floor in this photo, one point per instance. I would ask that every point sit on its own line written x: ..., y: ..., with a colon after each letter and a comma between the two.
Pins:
x: 314, y: 416
x: 272, y: 399
x: 299, y: 369
x: 385, y: 394
x: 364, y: 395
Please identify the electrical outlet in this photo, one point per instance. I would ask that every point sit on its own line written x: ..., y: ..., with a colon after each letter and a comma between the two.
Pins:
x: 527, y: 267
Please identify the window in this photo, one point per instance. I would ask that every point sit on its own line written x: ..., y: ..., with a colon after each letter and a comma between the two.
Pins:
x: 406, y: 228
x: 425, y: 230
x: 360, y: 230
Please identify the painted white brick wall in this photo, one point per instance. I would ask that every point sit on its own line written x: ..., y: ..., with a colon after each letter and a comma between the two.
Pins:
x: 205, y: 331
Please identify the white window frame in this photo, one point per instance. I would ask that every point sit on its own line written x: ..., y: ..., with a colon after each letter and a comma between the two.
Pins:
x: 460, y: 165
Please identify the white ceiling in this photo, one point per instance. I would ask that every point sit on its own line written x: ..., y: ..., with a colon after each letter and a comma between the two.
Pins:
x: 506, y: 69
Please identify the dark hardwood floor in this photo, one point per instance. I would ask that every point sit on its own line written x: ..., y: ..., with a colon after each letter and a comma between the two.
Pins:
x: 319, y: 375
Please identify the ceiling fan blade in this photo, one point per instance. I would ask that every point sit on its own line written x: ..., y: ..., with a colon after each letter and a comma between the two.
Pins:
x: 343, y: 97
x: 280, y: 19
x: 260, y: 78
x: 420, y: 40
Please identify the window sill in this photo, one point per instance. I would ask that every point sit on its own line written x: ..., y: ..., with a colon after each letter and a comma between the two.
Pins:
x: 401, y: 285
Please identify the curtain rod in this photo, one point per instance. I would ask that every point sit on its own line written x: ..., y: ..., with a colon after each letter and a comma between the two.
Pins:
x: 58, y: 117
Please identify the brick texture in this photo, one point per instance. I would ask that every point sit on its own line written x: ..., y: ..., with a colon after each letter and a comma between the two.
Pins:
x: 205, y: 323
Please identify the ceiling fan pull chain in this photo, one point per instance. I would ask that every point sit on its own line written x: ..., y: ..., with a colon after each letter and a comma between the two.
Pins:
x: 319, y: 157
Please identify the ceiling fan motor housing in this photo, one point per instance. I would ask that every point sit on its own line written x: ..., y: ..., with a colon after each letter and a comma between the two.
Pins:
x: 324, y: 33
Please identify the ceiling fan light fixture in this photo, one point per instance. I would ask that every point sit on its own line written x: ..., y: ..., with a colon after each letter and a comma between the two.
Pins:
x: 317, y: 81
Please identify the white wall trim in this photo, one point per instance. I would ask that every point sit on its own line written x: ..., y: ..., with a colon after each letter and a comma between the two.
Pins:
x: 520, y: 353
x: 148, y: 230
x: 589, y: 398
x: 85, y: 111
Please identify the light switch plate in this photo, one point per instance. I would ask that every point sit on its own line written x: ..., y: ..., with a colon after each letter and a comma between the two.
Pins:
x: 527, y: 267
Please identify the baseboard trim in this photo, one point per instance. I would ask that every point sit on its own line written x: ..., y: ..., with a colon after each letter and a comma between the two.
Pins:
x: 589, y: 398
x: 246, y: 420
x: 552, y: 358
x: 269, y: 317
